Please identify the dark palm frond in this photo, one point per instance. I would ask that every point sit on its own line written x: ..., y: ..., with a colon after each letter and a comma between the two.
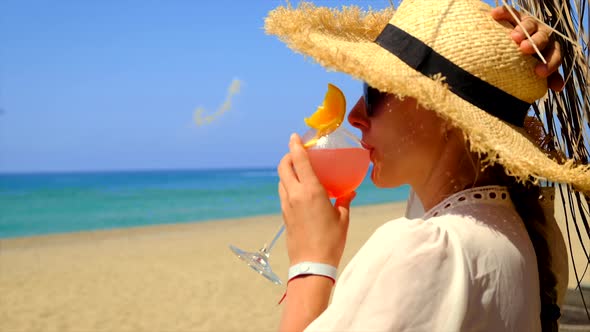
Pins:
x: 566, y: 114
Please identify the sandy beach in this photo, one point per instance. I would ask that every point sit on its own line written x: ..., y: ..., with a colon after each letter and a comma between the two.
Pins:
x: 162, y: 278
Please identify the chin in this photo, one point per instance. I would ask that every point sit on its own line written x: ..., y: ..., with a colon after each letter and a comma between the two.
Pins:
x: 380, y: 180
x: 376, y: 177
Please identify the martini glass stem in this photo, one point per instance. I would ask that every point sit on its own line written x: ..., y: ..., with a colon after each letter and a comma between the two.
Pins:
x: 266, y: 249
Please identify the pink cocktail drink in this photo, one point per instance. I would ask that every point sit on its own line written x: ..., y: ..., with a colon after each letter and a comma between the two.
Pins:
x: 340, y: 171
x: 338, y: 159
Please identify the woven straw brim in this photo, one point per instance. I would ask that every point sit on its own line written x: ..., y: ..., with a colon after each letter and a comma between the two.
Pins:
x: 342, y: 40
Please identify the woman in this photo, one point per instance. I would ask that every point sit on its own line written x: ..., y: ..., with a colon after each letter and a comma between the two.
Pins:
x: 444, y: 110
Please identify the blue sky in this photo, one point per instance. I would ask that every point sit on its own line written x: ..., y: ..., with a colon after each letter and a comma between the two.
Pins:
x: 114, y: 85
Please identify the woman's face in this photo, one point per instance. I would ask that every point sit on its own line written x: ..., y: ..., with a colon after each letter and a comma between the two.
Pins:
x: 404, y: 139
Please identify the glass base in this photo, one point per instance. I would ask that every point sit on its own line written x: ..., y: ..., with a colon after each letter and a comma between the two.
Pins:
x: 258, y: 261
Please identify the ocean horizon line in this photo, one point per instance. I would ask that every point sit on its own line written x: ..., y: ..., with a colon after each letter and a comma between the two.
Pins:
x: 136, y: 170
x: 142, y: 170
x: 58, y: 202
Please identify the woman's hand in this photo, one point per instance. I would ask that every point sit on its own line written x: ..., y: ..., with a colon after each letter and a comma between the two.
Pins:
x: 316, y: 230
x: 540, y: 34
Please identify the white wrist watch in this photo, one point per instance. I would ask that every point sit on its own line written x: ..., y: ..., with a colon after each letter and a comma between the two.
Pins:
x: 307, y: 268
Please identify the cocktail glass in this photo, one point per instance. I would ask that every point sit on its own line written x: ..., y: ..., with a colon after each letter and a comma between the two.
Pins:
x: 340, y: 162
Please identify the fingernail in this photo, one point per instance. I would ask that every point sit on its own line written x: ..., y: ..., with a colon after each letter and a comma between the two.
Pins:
x: 516, y: 34
x: 542, y: 70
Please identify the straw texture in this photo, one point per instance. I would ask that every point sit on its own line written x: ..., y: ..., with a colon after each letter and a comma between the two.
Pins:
x: 464, y: 33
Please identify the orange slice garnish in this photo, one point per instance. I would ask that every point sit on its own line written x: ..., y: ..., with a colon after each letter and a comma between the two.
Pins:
x: 329, y: 116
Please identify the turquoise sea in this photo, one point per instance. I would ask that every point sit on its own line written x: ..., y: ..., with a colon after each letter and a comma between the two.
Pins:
x: 34, y: 204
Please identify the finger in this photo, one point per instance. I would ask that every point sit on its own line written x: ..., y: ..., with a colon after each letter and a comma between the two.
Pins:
x: 284, y: 197
x: 545, y: 28
x: 502, y: 14
x: 343, y: 204
x: 555, y: 82
x: 286, y: 174
x: 540, y: 39
x: 553, y: 58
x: 344, y: 201
x: 530, y: 26
x: 301, y: 162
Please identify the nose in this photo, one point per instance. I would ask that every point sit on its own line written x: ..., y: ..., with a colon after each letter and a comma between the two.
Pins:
x: 358, y: 116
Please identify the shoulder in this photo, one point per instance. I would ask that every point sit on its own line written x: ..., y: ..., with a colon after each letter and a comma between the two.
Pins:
x: 383, y: 287
x: 414, y: 233
x: 401, y: 243
x: 403, y: 247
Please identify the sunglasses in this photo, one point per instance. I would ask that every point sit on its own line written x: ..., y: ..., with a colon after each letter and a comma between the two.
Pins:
x: 372, y: 98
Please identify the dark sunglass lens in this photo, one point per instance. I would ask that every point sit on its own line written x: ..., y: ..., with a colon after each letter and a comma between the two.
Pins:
x: 372, y: 97
x: 367, y: 98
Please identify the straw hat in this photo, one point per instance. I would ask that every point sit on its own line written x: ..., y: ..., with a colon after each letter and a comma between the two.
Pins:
x: 451, y: 56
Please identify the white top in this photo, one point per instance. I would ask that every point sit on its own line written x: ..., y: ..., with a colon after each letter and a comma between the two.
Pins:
x: 466, y: 265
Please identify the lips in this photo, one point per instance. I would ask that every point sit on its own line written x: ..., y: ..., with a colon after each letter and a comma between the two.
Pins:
x: 366, y: 146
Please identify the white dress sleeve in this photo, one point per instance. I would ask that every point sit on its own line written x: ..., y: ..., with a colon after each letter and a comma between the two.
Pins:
x: 409, y: 276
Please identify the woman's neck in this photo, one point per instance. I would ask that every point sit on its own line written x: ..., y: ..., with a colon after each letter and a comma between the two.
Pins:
x: 453, y: 170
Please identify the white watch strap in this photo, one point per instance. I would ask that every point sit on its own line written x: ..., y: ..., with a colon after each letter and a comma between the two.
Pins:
x: 307, y: 268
